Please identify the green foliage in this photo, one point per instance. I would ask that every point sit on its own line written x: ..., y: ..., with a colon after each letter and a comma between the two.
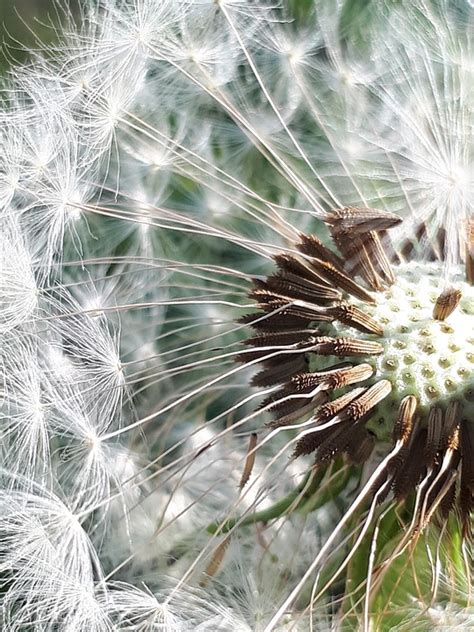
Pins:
x: 25, y: 22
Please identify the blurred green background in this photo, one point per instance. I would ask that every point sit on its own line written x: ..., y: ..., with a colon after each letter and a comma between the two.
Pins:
x: 23, y: 20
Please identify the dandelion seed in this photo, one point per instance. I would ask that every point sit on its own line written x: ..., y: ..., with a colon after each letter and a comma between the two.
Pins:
x: 18, y: 289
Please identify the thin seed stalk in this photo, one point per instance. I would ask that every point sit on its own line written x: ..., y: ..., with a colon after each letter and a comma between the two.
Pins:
x: 304, y: 498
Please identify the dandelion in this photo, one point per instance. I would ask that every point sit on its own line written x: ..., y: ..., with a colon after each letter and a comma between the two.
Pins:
x: 236, y: 319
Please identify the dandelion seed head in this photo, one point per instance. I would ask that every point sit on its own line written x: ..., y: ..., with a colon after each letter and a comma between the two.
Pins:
x: 425, y: 357
x: 165, y: 167
x: 212, y: 315
x: 450, y: 616
x: 254, y: 575
x: 94, y: 306
x: 18, y: 288
x: 426, y: 116
x: 93, y: 443
x: 216, y: 203
x: 49, y: 558
x: 294, y: 53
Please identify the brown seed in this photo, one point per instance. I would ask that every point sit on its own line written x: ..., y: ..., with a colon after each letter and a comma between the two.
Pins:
x: 338, y: 441
x: 420, y: 240
x: 297, y: 412
x: 280, y: 371
x: 279, y: 338
x: 262, y: 294
x: 358, y: 256
x: 406, y: 249
x: 435, y: 497
x: 287, y: 308
x: 286, y: 401
x: 440, y: 243
x: 330, y: 379
x: 290, y: 264
x: 434, y: 435
x: 376, y: 255
x: 310, y: 245
x: 216, y: 560
x: 363, y: 219
x: 339, y: 279
x: 361, y: 446
x: 299, y: 287
x: 446, y: 303
x: 249, y: 461
x: 345, y: 376
x: 466, y: 506
x: 413, y: 467
x: 424, y: 240
x: 323, y: 345
x: 367, y: 264
x: 310, y: 441
x: 450, y: 433
x: 403, y: 426
x: 355, y: 317
x: 349, y: 246
x: 368, y: 400
x: 331, y: 409
x: 304, y: 381
x: 447, y: 503
x: 388, y: 248
x: 323, y: 314
x: 269, y: 302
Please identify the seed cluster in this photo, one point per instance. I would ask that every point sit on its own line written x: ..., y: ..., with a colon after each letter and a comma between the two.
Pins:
x: 428, y: 358
x: 360, y: 345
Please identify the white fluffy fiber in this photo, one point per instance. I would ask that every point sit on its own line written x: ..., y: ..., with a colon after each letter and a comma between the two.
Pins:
x: 151, y: 162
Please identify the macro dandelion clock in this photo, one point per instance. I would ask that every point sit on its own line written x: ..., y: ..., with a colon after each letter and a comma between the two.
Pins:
x: 237, y: 318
